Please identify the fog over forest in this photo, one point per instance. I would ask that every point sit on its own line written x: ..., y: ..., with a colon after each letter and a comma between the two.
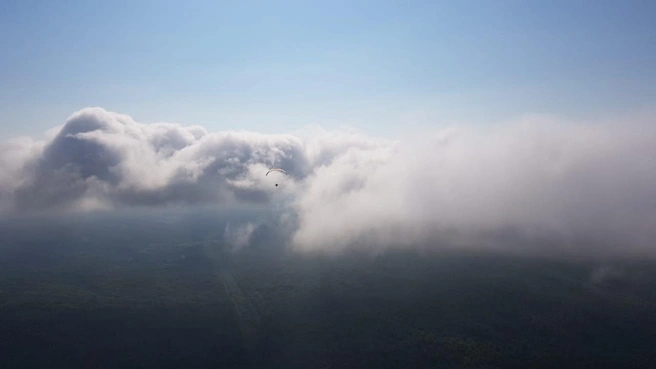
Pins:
x: 160, y: 245
x: 577, y: 187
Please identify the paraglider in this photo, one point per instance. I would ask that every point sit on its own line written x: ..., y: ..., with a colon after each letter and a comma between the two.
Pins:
x: 276, y: 170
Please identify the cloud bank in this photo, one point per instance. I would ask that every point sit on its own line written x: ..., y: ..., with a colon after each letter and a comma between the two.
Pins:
x: 592, y: 184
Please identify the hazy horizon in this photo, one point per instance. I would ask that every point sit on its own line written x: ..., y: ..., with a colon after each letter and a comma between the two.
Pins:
x: 576, y: 184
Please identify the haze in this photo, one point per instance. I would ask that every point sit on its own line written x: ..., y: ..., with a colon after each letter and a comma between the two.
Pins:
x: 469, y: 184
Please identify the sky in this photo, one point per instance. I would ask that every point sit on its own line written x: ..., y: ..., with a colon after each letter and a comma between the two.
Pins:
x: 278, y: 66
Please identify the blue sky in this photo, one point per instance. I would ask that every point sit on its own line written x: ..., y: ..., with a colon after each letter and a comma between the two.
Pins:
x: 276, y: 66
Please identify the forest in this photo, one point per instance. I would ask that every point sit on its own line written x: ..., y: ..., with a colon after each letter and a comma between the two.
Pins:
x: 150, y: 293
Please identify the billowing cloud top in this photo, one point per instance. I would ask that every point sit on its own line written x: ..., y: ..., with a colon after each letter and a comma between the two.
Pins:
x: 593, y: 182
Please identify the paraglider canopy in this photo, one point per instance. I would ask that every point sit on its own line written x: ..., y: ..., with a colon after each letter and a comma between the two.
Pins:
x: 276, y: 170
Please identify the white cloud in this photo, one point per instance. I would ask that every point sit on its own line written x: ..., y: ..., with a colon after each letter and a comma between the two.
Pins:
x: 239, y: 235
x: 536, y: 177
x: 581, y: 183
